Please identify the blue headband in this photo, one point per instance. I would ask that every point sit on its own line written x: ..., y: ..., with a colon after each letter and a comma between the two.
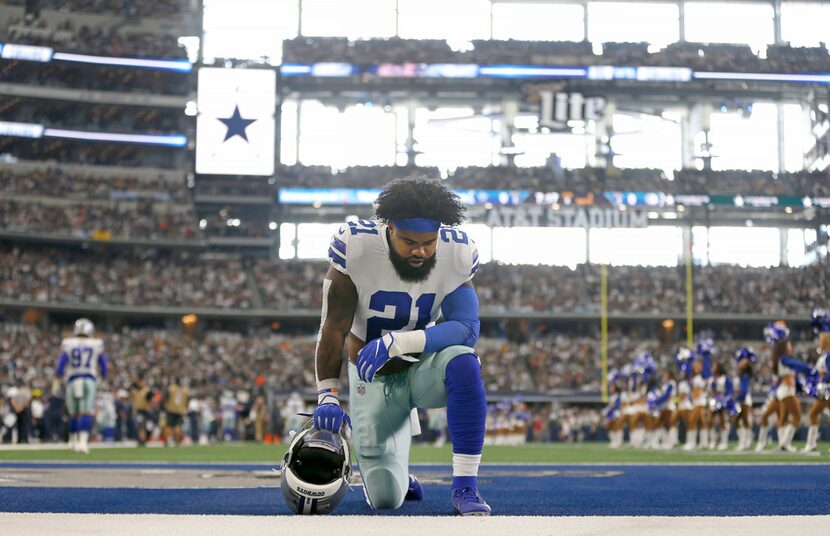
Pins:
x: 417, y: 225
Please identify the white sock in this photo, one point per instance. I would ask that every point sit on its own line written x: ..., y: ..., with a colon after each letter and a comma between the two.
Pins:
x: 83, y: 438
x: 465, y: 464
x: 691, y: 436
x: 742, y: 434
x: 724, y: 438
x: 672, y: 441
x: 657, y: 438
x: 783, y: 432
x: 790, y: 435
x: 763, y: 434
x: 704, y: 438
x: 812, y: 437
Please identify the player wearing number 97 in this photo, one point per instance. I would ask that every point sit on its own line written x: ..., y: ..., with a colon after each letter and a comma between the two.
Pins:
x: 82, y: 362
x: 389, y: 281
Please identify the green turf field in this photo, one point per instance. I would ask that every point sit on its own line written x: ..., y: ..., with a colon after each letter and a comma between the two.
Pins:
x: 535, y: 453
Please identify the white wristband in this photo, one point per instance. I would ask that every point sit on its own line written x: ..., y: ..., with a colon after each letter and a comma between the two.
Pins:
x: 328, y: 391
x: 407, y: 342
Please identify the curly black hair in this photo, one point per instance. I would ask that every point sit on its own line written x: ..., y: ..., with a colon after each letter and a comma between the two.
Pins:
x: 419, y: 198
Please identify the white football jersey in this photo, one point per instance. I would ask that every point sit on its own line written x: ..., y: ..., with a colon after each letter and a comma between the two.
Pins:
x: 83, y: 354
x: 384, y: 301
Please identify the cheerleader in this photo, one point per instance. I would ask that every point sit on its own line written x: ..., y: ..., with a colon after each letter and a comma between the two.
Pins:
x: 721, y: 405
x: 821, y: 326
x: 789, y: 410
x: 683, y: 401
x: 698, y: 419
x: 744, y: 358
x: 613, y: 411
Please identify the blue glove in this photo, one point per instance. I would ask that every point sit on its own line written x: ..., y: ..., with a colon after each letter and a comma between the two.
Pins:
x: 373, y: 356
x: 331, y: 417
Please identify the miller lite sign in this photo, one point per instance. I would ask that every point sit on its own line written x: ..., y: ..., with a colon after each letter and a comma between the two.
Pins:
x: 559, y: 108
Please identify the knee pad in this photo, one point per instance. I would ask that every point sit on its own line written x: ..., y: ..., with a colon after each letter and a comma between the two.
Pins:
x: 382, y: 488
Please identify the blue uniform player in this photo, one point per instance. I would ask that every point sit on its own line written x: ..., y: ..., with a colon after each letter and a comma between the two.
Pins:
x: 389, y: 281
x: 82, y: 362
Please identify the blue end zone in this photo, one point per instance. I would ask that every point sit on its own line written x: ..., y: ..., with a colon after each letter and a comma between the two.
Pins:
x: 695, y: 490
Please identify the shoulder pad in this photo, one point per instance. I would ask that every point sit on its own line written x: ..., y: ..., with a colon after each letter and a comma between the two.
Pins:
x: 347, y: 242
x: 465, y: 252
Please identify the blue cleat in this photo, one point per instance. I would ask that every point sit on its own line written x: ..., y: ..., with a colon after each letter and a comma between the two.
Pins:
x: 468, y: 502
x: 415, y: 491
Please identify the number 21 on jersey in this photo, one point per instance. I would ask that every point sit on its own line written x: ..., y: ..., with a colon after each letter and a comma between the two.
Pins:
x: 401, y: 302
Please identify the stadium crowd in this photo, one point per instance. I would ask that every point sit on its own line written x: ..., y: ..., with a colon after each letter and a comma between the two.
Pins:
x: 159, y: 9
x: 70, y: 184
x: 95, y: 77
x: 102, y: 219
x: 66, y: 36
x: 697, y: 56
x: 596, y: 180
x: 84, y: 116
x: 56, y: 183
x: 54, y: 274
x: 82, y: 152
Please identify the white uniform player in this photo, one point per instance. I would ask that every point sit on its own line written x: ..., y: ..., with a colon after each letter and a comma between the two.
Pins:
x: 390, y: 280
x: 82, y: 362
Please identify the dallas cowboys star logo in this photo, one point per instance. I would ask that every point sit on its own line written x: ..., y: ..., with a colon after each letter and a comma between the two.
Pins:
x: 236, y: 125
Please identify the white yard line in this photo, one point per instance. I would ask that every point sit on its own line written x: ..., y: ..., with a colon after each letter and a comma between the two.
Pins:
x: 107, y: 525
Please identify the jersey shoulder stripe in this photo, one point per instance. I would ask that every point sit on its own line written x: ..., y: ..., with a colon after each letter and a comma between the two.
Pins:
x: 338, y: 250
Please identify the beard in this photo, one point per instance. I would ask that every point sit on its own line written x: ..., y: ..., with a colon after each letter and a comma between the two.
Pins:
x: 409, y: 273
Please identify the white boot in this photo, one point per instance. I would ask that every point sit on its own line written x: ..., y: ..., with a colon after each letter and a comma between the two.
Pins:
x: 618, y: 439
x: 658, y: 439
x: 691, y: 439
x: 704, y: 438
x: 713, y: 438
x: 747, y: 437
x: 635, y: 437
x: 648, y: 441
x: 724, y: 438
x: 763, y: 434
x: 742, y: 434
x: 785, y: 435
x: 672, y: 439
x: 789, y: 439
x: 812, y: 437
